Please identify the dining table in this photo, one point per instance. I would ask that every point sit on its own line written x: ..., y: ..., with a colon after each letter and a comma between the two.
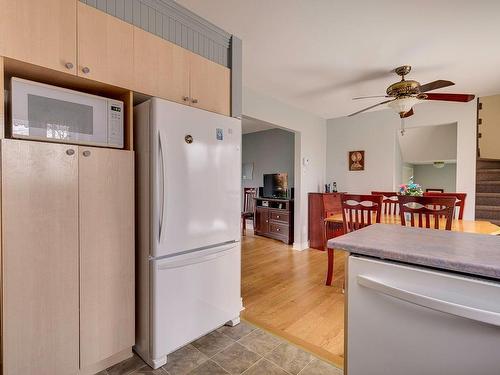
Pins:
x: 466, y: 226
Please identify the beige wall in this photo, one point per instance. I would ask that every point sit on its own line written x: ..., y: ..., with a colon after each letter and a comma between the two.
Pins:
x: 489, y: 143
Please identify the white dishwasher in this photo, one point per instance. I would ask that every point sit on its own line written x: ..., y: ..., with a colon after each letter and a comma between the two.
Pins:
x: 407, y: 320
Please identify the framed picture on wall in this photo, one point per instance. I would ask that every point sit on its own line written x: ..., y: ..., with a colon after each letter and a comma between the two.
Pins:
x: 356, y: 160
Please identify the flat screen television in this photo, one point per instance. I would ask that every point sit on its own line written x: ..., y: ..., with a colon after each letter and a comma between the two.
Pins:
x: 275, y: 185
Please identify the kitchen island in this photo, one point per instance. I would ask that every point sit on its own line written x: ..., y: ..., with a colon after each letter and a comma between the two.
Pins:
x: 421, y: 301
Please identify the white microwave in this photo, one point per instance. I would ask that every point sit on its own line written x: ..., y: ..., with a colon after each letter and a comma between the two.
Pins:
x: 50, y: 113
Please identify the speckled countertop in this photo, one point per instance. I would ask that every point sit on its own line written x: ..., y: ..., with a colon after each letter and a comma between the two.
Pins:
x: 475, y: 254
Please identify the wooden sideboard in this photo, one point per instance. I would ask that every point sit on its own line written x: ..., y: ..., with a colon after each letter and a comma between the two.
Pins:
x: 274, y: 219
x: 321, y: 205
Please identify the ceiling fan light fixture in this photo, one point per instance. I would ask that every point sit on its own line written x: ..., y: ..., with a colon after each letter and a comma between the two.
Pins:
x: 404, y: 104
x: 407, y: 93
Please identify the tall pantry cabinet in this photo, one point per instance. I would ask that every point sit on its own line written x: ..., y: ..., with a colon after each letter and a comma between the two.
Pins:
x: 68, y: 256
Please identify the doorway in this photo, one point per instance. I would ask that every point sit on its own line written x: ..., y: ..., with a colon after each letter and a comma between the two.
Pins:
x: 268, y: 154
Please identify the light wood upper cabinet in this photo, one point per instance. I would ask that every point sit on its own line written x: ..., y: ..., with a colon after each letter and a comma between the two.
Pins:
x: 210, y: 85
x: 72, y: 37
x: 161, y: 68
x: 39, y: 32
x: 40, y: 258
x: 105, y: 47
x: 106, y: 253
x: 170, y: 72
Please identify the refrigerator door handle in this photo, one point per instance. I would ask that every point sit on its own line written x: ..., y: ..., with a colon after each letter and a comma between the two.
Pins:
x: 195, y: 260
x: 161, y: 189
x: 484, y: 316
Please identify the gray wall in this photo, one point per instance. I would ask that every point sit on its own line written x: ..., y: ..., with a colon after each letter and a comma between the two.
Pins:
x: 431, y: 177
x: 270, y: 151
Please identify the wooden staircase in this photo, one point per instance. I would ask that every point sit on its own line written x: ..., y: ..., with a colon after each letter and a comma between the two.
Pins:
x: 488, y: 191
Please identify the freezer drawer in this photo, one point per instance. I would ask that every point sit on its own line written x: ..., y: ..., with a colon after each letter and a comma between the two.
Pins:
x: 409, y: 320
x: 193, y: 294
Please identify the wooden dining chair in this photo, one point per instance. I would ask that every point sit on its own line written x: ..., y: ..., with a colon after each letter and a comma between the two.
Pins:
x: 331, y: 229
x: 460, y: 200
x: 358, y: 211
x: 248, y: 207
x: 431, y: 212
x: 390, y: 205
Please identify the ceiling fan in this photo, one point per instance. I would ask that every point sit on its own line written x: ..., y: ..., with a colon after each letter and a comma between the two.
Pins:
x: 406, y: 93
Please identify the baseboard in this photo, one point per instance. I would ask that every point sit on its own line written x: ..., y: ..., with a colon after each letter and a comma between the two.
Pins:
x: 300, y: 245
x: 108, y: 362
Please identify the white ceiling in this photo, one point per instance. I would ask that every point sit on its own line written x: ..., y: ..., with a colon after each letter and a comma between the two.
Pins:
x: 251, y: 125
x: 318, y: 54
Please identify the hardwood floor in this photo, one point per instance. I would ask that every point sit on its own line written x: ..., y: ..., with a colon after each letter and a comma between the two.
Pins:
x: 284, y: 292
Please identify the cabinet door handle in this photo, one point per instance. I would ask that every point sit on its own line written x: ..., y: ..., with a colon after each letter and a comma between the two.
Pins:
x: 277, y: 229
x: 85, y: 70
x: 69, y: 65
x: 86, y: 153
x: 185, y: 98
x: 277, y: 216
x: 70, y: 151
x: 194, y: 101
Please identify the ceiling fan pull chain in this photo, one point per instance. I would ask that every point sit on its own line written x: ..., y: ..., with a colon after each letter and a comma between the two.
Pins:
x: 402, y: 126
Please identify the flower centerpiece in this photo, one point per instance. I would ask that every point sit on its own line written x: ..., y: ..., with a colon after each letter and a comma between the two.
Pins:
x: 411, y: 188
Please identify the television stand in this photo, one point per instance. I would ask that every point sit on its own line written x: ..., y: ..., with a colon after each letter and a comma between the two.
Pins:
x: 274, y: 218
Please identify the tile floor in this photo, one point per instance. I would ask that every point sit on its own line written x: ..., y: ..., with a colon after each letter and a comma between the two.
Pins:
x: 242, y: 349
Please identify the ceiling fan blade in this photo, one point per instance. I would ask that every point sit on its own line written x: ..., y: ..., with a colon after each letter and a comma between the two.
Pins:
x: 439, y: 84
x: 373, y: 96
x: 373, y: 106
x: 408, y: 114
x: 450, y: 97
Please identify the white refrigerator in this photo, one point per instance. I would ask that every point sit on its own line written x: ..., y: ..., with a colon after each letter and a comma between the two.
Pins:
x: 188, y: 206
